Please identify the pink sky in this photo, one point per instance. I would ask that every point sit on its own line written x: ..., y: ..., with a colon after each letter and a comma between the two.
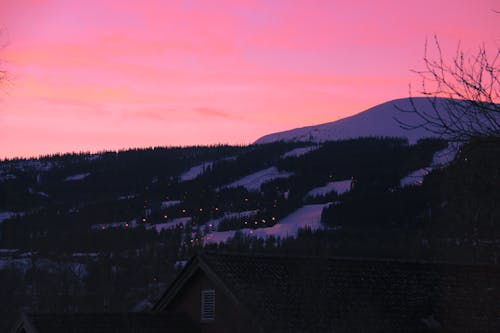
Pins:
x: 95, y: 74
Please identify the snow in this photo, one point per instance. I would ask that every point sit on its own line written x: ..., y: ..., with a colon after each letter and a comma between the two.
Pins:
x: 123, y: 224
x: 308, y: 216
x: 35, y: 164
x: 170, y: 225
x: 445, y: 156
x: 378, y: 121
x: 415, y: 178
x: 341, y: 187
x: 20, y: 264
x: 80, y: 176
x: 8, y: 251
x: 440, y: 159
x: 195, y: 171
x: 254, y: 181
x: 85, y: 254
x: 7, y: 215
x: 93, y: 157
x: 127, y: 197
x: 214, y: 223
x: 166, y: 204
x: 180, y: 263
x: 299, y: 151
x: 8, y: 177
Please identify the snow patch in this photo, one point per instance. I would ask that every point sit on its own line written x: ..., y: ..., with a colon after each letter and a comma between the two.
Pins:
x: 7, y: 177
x: 170, y: 203
x: 254, y: 181
x: 341, y: 187
x: 127, y: 197
x: 378, y: 121
x: 445, y: 156
x: 415, y: 178
x: 170, y: 225
x: 440, y: 159
x: 214, y: 223
x: 80, y: 176
x: 299, y: 151
x: 104, y: 226
x: 8, y: 215
x: 308, y: 216
x: 196, y: 171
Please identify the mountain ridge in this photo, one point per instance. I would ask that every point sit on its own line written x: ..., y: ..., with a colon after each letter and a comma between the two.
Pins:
x: 378, y: 121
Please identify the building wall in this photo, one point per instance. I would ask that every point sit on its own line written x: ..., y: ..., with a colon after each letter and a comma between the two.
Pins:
x: 228, y: 318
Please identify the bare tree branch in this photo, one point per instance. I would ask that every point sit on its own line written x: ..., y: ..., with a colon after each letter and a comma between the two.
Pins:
x: 470, y: 88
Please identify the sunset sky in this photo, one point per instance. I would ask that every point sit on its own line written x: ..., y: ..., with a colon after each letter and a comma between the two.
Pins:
x: 92, y: 75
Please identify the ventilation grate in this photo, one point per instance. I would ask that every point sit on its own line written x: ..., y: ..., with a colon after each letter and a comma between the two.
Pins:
x: 208, y: 304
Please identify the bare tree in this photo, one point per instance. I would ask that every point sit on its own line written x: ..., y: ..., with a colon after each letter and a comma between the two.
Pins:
x: 463, y: 93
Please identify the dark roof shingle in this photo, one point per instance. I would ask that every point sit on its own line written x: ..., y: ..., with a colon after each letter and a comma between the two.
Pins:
x: 312, y: 294
x: 110, y: 323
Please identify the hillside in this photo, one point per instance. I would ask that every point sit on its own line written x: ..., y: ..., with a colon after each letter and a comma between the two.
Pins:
x: 85, y: 232
x: 378, y: 121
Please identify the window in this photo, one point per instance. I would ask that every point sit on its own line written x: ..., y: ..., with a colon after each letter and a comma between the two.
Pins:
x: 208, y: 304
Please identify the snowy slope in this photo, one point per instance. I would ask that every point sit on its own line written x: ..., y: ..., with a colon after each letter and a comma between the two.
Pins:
x: 255, y: 180
x: 300, y: 151
x: 340, y: 187
x: 308, y: 216
x: 196, y: 171
x: 440, y: 159
x: 378, y: 121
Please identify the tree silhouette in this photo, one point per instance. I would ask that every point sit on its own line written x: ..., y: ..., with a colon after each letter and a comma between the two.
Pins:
x: 471, y: 88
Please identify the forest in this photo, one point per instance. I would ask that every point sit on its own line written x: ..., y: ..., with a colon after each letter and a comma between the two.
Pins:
x: 98, y: 232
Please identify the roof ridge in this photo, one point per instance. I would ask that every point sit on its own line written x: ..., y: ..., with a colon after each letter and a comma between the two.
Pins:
x: 209, y: 253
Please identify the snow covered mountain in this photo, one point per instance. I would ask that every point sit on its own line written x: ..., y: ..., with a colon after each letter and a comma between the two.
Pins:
x: 378, y: 121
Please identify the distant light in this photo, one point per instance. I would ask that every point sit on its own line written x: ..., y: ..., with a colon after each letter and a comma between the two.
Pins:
x: 165, y: 216
x: 126, y: 225
x: 201, y: 209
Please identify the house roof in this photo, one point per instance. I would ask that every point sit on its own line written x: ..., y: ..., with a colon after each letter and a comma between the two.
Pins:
x: 104, y: 323
x: 313, y: 294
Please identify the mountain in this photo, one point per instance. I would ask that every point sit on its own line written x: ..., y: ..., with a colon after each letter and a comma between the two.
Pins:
x: 378, y: 121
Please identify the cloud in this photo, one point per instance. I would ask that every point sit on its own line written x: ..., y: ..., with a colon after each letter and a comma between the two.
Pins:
x: 210, y: 112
